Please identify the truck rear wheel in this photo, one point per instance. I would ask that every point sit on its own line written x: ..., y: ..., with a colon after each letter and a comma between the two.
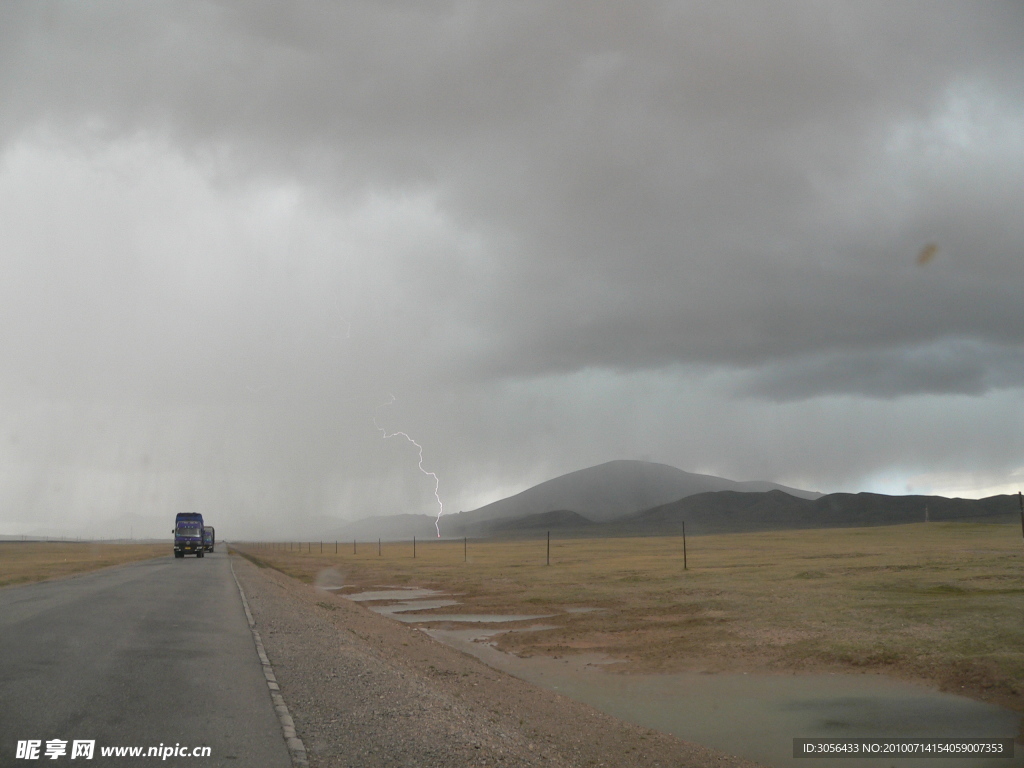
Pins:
x: 199, y: 553
x: 179, y: 554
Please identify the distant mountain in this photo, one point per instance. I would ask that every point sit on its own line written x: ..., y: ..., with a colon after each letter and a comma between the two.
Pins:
x: 704, y: 513
x: 556, y: 520
x: 637, y: 498
x: 731, y: 512
x: 597, y: 494
x: 615, y: 489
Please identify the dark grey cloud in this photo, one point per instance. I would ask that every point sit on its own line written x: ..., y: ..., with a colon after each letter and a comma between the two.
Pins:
x: 247, y: 223
x: 949, y: 367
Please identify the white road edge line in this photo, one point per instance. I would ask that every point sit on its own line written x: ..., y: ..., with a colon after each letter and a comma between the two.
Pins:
x: 295, y: 745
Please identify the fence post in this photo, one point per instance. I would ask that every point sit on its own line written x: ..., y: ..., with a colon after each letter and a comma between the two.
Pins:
x: 465, y: 549
x: 353, y: 546
x: 684, y: 545
x: 378, y: 547
x: 1020, y: 500
x: 549, y: 548
x: 413, y: 547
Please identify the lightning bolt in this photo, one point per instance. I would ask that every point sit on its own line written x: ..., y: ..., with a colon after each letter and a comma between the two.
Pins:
x: 437, y: 482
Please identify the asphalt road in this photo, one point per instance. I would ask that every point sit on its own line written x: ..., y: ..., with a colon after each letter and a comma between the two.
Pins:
x: 148, y: 654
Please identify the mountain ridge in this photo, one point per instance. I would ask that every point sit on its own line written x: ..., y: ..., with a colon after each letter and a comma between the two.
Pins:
x: 731, y: 512
x: 616, y: 488
x: 627, y: 498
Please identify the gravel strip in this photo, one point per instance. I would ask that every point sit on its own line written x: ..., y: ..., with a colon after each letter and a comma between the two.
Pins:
x: 295, y: 746
x: 366, y: 691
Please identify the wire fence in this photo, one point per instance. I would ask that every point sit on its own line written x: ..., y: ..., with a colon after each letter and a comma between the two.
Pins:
x: 429, y: 550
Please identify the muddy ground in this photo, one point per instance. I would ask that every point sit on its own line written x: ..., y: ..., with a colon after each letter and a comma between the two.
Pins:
x: 938, y: 604
x: 367, y: 691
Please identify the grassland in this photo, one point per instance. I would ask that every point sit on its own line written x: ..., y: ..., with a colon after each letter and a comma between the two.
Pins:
x: 22, y: 562
x: 939, y: 602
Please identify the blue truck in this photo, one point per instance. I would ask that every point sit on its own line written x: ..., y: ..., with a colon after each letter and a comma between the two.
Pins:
x: 208, y: 538
x: 188, y: 534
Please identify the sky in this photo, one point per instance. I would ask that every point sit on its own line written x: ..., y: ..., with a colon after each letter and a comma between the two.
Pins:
x: 241, y: 242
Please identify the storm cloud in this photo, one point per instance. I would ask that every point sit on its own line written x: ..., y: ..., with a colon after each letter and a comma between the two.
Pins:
x: 557, y: 234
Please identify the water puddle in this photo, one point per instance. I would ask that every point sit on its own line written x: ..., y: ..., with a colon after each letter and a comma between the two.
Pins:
x: 406, y: 612
x: 757, y: 716
x: 404, y: 604
x: 466, y: 618
x: 411, y: 593
x: 407, y: 606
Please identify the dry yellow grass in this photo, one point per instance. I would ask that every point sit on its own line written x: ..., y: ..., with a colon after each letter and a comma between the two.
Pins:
x: 22, y: 562
x: 939, y: 602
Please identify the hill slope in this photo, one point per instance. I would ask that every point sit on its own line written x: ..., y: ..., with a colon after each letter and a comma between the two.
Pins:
x: 615, y: 489
x: 562, y: 520
x: 731, y: 512
x: 703, y: 513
